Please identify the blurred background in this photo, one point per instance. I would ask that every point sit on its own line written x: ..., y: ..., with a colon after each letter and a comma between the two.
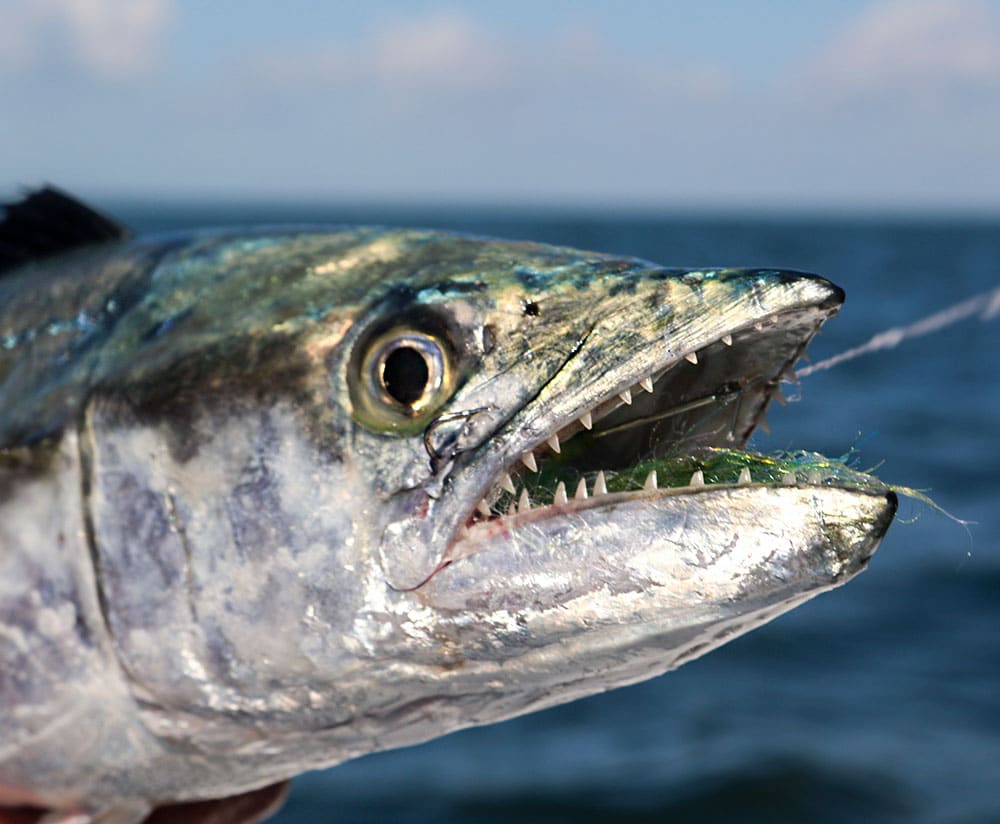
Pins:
x: 857, y: 138
x: 773, y: 104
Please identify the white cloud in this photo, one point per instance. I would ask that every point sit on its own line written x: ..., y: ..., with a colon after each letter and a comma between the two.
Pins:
x: 447, y: 54
x: 107, y: 37
x: 444, y: 52
x: 921, y: 49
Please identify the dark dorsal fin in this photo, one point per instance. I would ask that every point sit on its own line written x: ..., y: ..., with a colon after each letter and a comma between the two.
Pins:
x: 48, y: 221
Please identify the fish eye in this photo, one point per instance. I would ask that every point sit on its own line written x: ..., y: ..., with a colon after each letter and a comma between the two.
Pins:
x: 406, y: 370
x: 407, y: 375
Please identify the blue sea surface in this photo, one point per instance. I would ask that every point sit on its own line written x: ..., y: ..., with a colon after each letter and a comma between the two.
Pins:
x: 877, y: 702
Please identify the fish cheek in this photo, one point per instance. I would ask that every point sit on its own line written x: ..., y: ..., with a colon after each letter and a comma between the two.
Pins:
x: 195, y: 557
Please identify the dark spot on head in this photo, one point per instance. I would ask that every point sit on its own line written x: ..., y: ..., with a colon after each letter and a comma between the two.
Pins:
x: 531, y: 309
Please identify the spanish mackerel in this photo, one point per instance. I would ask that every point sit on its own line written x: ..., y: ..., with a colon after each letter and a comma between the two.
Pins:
x: 273, y: 499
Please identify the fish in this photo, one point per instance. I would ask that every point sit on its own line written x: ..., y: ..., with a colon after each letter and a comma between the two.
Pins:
x: 274, y: 498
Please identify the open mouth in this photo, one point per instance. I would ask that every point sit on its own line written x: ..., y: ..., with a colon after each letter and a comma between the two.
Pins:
x: 678, y: 429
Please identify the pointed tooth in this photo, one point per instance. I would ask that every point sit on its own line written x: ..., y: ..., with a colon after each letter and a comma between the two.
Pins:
x: 779, y: 396
x: 814, y: 478
x: 560, y: 496
x: 647, y: 383
x: 691, y: 357
x: 626, y: 396
x: 586, y: 421
x: 512, y: 509
x: 764, y: 425
x: 483, y: 508
x: 507, y: 484
x: 524, y: 502
x: 600, y: 484
x: 698, y: 479
x: 553, y: 443
x: 581, y: 490
x: 528, y: 459
x: 727, y: 339
x: 744, y: 476
x: 650, y: 484
x: 789, y: 479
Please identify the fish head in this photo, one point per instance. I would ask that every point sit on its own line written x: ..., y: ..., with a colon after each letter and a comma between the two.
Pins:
x: 574, y: 507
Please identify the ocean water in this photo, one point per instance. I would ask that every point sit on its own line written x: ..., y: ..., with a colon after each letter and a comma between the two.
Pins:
x: 877, y: 702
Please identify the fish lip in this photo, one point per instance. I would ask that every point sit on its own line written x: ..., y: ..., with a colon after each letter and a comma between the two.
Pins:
x: 484, y: 530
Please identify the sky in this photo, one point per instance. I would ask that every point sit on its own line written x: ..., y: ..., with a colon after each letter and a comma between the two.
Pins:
x: 775, y: 104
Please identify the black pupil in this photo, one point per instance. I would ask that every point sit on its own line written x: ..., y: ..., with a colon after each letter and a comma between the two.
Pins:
x: 405, y: 375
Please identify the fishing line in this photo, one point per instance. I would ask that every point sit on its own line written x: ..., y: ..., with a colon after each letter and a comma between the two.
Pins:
x: 986, y: 305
